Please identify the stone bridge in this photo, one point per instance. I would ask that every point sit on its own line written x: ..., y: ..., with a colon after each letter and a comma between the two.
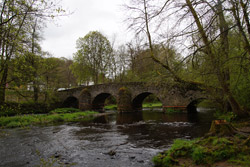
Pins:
x: 130, y: 96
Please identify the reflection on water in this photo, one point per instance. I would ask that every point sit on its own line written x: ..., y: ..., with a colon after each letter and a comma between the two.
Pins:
x: 133, y: 137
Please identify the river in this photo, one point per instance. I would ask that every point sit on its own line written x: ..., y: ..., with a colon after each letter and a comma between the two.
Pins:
x: 121, y: 140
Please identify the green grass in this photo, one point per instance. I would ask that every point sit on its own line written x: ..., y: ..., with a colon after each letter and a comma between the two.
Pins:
x: 152, y: 105
x: 64, y: 110
x: 145, y: 105
x: 206, y: 151
x: 173, y: 111
x: 111, y: 107
x: 27, y: 120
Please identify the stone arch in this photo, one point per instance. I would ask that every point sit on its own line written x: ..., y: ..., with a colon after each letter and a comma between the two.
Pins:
x: 192, y: 106
x: 70, y: 102
x: 99, y: 100
x: 138, y: 100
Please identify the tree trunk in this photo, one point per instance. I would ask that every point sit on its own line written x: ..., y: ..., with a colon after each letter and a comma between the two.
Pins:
x: 209, y: 51
x: 3, y: 84
x: 36, y: 92
x: 221, y: 128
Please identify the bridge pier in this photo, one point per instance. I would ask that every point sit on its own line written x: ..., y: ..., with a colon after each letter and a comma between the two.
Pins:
x: 85, y: 100
x: 124, y: 103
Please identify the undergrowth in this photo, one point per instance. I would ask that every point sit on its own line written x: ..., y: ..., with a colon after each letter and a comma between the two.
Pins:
x: 228, y: 116
x: 205, y: 152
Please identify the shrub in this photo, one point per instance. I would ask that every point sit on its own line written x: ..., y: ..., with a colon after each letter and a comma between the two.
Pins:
x: 11, y: 109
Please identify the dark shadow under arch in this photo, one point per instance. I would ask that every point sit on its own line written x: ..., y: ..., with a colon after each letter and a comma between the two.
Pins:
x: 71, y: 102
x: 99, y: 102
x: 192, y: 106
x: 138, y: 100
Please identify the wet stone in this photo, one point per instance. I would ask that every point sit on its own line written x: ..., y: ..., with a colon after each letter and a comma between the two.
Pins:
x: 132, y: 157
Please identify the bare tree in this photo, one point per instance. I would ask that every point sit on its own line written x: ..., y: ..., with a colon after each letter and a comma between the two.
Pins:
x: 201, y: 26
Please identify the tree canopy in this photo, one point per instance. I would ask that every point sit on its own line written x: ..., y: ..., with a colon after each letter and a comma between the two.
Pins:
x: 94, y: 58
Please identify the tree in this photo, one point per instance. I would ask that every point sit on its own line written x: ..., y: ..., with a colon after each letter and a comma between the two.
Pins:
x: 93, y: 58
x: 203, y: 27
x: 16, y: 20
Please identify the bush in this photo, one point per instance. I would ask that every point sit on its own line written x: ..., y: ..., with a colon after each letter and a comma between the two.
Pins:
x: 11, y: 109
x: 228, y: 116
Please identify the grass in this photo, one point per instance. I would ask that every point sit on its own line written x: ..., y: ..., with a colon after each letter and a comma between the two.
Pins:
x: 152, y: 105
x: 173, y: 111
x: 110, y: 107
x: 55, y: 116
x: 64, y: 110
x: 145, y: 105
x: 206, y: 151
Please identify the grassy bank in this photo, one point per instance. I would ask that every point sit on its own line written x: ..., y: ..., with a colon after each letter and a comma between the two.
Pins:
x: 55, y: 116
x: 211, y: 151
x: 110, y: 107
x: 223, y: 146
x: 151, y: 105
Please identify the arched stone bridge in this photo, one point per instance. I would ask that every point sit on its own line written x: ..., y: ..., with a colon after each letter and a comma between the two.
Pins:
x: 130, y: 96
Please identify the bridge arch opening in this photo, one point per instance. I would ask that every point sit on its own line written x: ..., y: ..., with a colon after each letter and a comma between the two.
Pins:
x: 146, y: 100
x: 71, y: 102
x: 104, y: 101
x: 193, y: 105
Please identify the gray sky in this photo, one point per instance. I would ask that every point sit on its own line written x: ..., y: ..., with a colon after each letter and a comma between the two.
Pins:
x: 105, y: 16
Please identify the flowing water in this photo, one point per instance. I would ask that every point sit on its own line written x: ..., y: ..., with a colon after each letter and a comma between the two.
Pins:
x: 120, y: 140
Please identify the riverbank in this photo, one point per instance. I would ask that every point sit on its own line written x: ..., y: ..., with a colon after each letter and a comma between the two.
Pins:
x: 221, y: 150
x: 144, y: 105
x: 55, y: 116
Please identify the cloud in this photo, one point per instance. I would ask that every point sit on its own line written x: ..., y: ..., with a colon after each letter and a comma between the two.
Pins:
x: 88, y: 15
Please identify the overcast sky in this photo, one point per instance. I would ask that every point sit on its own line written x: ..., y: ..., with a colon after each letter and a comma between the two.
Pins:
x: 105, y: 16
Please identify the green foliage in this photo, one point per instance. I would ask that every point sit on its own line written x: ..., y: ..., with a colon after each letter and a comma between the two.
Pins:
x: 199, y: 154
x: 21, y: 54
x: 27, y: 120
x: 64, y: 110
x: 152, y: 105
x: 111, y: 107
x: 207, y: 104
x: 172, y: 111
x: 179, y: 148
x: 241, y: 159
x: 93, y: 58
x: 228, y: 116
x: 11, y: 109
x: 204, y: 151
